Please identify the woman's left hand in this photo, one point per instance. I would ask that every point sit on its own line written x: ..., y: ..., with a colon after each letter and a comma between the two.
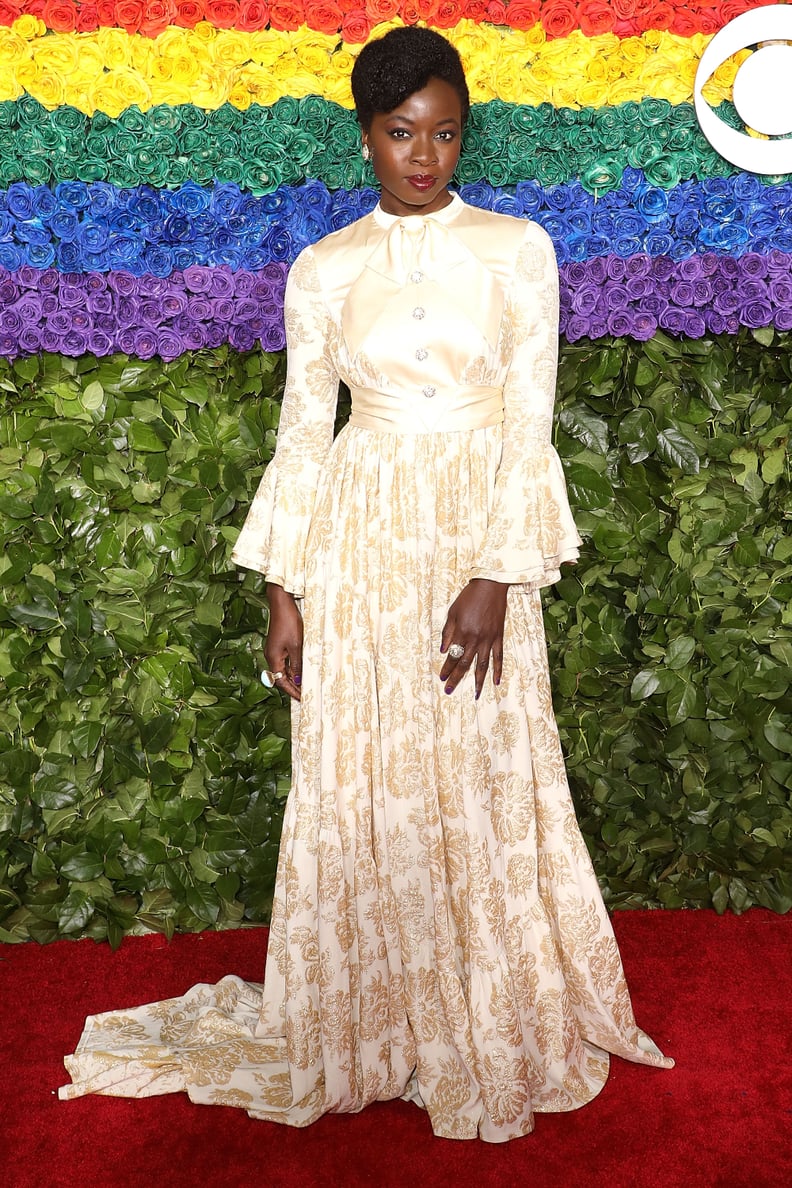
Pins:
x: 475, y: 622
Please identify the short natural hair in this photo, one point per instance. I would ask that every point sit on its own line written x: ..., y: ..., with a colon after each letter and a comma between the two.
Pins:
x: 391, y: 68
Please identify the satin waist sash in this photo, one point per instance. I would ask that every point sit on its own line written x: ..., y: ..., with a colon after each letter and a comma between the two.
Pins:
x: 466, y: 408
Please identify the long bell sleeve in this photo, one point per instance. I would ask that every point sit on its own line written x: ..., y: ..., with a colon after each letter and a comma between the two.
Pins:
x: 530, y: 529
x: 273, y: 537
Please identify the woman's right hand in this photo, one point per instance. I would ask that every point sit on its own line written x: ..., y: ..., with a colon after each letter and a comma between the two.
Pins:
x: 283, y: 646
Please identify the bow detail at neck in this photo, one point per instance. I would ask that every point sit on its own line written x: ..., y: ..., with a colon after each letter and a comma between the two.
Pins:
x: 422, y: 244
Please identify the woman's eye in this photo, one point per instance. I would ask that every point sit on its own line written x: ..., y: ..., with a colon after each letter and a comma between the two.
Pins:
x: 398, y: 133
x: 447, y: 134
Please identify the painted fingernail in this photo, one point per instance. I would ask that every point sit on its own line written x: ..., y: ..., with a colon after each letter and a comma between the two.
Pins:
x: 297, y: 679
x: 449, y: 689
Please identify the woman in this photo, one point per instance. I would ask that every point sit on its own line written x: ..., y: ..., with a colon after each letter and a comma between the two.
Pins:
x: 438, y: 932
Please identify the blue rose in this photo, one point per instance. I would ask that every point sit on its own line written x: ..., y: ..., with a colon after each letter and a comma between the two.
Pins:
x: 68, y: 258
x: 652, y: 202
x: 65, y: 225
x: 190, y: 199
x: 157, y: 260
x: 657, y: 243
x: 478, y: 193
x: 226, y: 198
x: 32, y: 232
x: 19, y: 200
x: 41, y: 255
x: 104, y: 199
x: 74, y: 194
x: 44, y: 202
x: 727, y: 237
x: 687, y: 222
x: 93, y: 237
x: 529, y: 197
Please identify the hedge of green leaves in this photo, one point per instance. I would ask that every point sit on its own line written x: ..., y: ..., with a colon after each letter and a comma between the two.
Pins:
x: 142, y: 765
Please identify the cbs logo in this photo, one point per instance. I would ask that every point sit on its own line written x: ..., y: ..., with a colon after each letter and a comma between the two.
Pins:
x: 762, y: 90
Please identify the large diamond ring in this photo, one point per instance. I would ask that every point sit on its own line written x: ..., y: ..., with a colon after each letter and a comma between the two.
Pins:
x: 268, y: 678
x: 456, y: 651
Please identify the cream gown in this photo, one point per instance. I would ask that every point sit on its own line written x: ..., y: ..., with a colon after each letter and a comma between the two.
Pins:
x: 438, y: 932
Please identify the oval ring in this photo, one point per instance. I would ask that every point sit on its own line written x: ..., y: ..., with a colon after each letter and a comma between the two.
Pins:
x: 456, y: 651
x: 268, y: 678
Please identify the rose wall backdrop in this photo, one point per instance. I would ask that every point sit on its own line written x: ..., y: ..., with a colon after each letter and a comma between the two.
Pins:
x: 161, y: 165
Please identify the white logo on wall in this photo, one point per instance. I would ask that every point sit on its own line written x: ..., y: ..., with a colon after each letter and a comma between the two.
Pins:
x: 762, y: 90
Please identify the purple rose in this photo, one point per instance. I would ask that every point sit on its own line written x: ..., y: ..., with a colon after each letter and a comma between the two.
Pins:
x: 780, y: 292
x: 241, y: 338
x: 644, y: 326
x: 673, y: 320
x: 615, y: 296
x: 273, y: 338
x: 783, y: 318
x: 756, y: 312
x: 245, y: 284
x: 95, y: 282
x: 584, y: 301
x: 638, y: 287
x: 682, y: 293
x: 28, y: 277
x: 30, y: 340
x: 223, y: 311
x: 662, y: 267
x: 169, y: 344
x: 726, y: 302
x: 99, y: 303
x: 695, y: 326
x: 71, y: 296
x: 49, y: 280
x: 753, y: 265
x: 576, y: 274
x: 50, y: 340
x: 145, y: 344
x: 150, y: 285
x: 638, y: 265
x: 49, y: 304
x: 74, y: 343
x: 215, y: 335
x: 620, y: 322
x: 9, y: 346
x: 127, y: 312
x: 615, y: 267
x: 150, y: 313
x: 702, y: 292
x: 778, y: 264
x: 244, y: 310
x: 59, y: 322
x: 99, y: 343
x: 575, y: 328
x: 690, y: 269
x: 123, y: 283
x: 126, y: 341
x: 222, y: 282
x: 197, y: 278
x: 200, y: 309
x: 9, y: 292
x: 173, y: 304
x: 729, y: 267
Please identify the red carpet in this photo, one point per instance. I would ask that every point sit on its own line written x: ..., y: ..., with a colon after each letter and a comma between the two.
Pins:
x: 714, y: 992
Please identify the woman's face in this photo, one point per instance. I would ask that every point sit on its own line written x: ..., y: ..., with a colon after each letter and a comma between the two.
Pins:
x: 415, y: 149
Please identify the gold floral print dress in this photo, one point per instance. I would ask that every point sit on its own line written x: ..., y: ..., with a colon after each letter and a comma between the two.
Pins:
x: 438, y: 932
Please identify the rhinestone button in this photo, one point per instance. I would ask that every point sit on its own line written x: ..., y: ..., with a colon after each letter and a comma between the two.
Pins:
x: 421, y: 354
x: 429, y: 391
x: 416, y: 277
x: 419, y: 312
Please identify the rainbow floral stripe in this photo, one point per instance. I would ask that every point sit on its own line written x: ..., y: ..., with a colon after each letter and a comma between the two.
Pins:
x: 163, y: 164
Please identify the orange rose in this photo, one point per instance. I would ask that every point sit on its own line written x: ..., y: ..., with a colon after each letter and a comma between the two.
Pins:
x: 253, y: 15
x: 409, y: 13
x: 426, y: 9
x: 129, y: 15
x: 87, y: 18
x: 522, y: 14
x: 222, y: 13
x: 448, y: 13
x: 323, y: 15
x: 287, y: 14
x: 105, y: 13
x: 356, y: 25
x: 379, y: 11
x: 188, y: 13
x: 60, y: 16
x: 496, y: 12
x: 678, y: 21
x: 475, y: 10
x: 157, y: 15
x: 559, y: 18
x: 596, y: 16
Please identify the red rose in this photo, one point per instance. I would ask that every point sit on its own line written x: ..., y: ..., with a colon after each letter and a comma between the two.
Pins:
x: 253, y: 15
x: 475, y: 10
x: 560, y: 18
x: 657, y: 16
x: 409, y: 13
x: 324, y: 15
x: 447, y: 14
x: 596, y: 16
x: 9, y: 12
x: 734, y: 8
x: 222, y: 14
x: 679, y: 21
x: 287, y: 14
x: 34, y: 8
x: 624, y: 10
x: 426, y: 9
x: 87, y: 18
x: 157, y: 15
x: 188, y: 13
x: 105, y: 13
x: 379, y: 11
x: 522, y: 14
x: 60, y: 16
x: 129, y: 15
x: 496, y: 12
x: 356, y: 25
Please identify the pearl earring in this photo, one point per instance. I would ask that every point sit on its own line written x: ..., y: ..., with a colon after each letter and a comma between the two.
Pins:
x: 366, y: 151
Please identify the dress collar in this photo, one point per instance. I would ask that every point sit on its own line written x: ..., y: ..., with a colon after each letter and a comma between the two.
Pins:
x: 446, y: 215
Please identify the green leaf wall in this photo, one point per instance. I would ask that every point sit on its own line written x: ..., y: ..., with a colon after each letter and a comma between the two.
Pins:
x: 143, y: 767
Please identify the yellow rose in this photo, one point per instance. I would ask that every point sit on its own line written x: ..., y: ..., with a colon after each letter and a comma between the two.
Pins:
x: 593, y: 94
x: 203, y: 31
x: 239, y: 95
x: 115, y: 47
x: 118, y: 90
x: 211, y: 89
x: 59, y: 55
x: 260, y: 84
x: 180, y: 66
x: 625, y: 90
x: 165, y: 90
x: 29, y: 27
x: 633, y: 50
x: 13, y: 49
x: 267, y: 46
x: 231, y: 48
x: 90, y: 64
x: 48, y: 89
x: 339, y: 90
